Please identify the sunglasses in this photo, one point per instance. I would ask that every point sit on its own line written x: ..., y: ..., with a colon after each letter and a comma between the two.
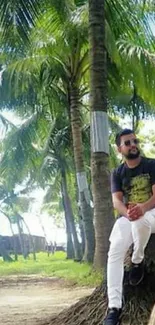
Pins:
x: 128, y: 143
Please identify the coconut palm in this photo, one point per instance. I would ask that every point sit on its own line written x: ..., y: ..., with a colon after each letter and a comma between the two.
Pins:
x: 103, y: 211
x: 68, y: 48
x: 12, y: 206
x: 62, y: 68
x: 57, y: 161
x: 99, y: 62
x: 27, y: 142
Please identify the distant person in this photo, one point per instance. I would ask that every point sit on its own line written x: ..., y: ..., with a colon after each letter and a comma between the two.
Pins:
x: 133, y: 193
x: 50, y: 248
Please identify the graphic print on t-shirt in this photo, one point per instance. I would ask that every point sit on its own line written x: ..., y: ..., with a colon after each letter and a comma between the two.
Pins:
x: 139, y: 189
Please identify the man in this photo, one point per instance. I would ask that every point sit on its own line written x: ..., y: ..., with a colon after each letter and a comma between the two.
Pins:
x: 133, y: 193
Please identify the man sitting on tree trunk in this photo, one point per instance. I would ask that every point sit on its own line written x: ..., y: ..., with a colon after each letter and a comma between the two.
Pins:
x: 133, y: 192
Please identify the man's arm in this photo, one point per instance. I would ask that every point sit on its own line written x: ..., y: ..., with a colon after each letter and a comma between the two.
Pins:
x: 140, y: 208
x: 118, y: 204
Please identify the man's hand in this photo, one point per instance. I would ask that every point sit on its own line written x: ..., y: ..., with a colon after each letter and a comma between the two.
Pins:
x: 135, y: 211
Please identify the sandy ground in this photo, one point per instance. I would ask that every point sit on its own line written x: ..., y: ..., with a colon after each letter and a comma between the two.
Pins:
x: 27, y: 300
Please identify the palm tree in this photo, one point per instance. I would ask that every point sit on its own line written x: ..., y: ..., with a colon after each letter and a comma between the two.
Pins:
x: 18, y: 19
x: 70, y: 49
x: 64, y: 64
x: 13, y: 234
x: 100, y: 75
x: 57, y: 161
x: 12, y: 206
x: 103, y: 211
x: 71, y: 53
x: 23, y: 139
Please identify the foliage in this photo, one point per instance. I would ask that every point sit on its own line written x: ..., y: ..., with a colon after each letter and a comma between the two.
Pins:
x: 45, y: 50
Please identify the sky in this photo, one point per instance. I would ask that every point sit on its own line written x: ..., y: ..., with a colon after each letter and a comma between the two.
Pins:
x: 53, y: 233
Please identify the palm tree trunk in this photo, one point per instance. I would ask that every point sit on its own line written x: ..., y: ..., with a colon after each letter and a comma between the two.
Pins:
x: 103, y: 210
x: 84, y: 195
x: 43, y: 228
x: 21, y: 239
x: 14, y: 241
x: 13, y: 235
x: 70, y: 248
x: 30, y: 239
x: 69, y: 215
x: 82, y: 234
x: 3, y: 251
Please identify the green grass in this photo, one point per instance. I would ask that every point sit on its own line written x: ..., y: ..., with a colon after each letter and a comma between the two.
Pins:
x: 55, y: 265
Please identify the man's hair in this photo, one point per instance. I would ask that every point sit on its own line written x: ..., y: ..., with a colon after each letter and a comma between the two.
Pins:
x: 119, y: 135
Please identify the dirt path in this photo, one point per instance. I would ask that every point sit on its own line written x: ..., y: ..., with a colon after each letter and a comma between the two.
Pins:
x: 28, y: 300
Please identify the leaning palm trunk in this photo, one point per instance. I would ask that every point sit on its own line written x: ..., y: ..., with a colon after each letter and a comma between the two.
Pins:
x: 99, y: 132
x: 84, y: 196
x: 69, y: 215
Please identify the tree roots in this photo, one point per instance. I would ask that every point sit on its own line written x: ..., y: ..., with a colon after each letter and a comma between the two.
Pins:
x: 138, y: 301
x: 91, y: 310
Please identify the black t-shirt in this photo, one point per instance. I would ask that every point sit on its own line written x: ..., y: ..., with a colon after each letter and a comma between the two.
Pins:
x: 135, y: 183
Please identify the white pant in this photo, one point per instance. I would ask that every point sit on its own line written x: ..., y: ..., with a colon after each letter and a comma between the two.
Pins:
x: 123, y: 234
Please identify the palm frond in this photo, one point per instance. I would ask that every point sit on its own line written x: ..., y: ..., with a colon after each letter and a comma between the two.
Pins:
x: 21, y: 149
x: 5, y: 125
x: 139, y: 67
x: 17, y: 19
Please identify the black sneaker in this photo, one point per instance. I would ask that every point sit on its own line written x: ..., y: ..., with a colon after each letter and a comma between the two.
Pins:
x: 112, y: 317
x: 136, y: 273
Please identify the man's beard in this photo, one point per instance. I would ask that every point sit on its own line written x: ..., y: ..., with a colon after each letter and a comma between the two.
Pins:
x: 132, y: 156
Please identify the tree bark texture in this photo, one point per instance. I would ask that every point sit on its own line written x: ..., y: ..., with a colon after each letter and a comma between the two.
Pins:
x: 86, y: 209
x: 31, y: 242
x: 70, y: 218
x: 103, y: 211
x: 3, y: 251
x: 21, y: 239
x: 70, y: 248
x: 82, y: 234
x: 14, y: 239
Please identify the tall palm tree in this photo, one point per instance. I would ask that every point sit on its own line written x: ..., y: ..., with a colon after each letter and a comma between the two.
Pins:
x: 12, y: 206
x: 63, y: 63
x: 36, y: 132
x: 57, y: 161
x: 72, y: 61
x: 103, y: 211
x: 67, y: 73
x: 99, y: 60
